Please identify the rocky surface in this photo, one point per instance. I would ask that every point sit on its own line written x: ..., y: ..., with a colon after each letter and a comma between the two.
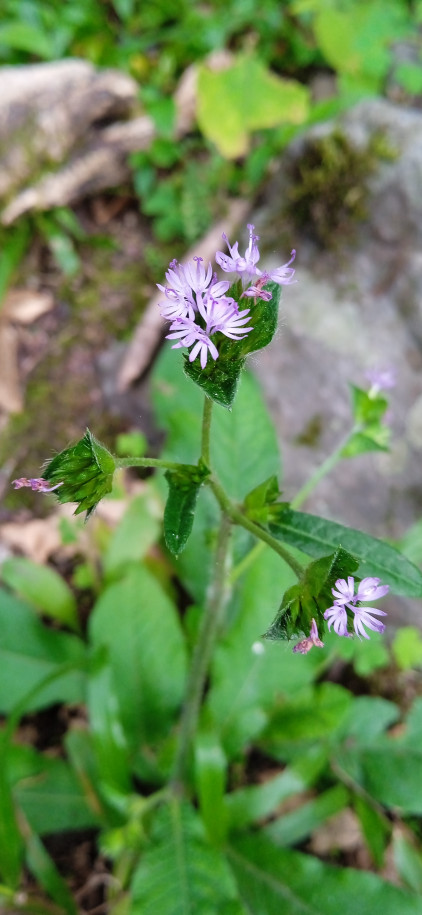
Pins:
x: 354, y: 308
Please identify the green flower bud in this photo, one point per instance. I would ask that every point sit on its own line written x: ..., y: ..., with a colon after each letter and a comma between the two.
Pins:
x: 85, y: 472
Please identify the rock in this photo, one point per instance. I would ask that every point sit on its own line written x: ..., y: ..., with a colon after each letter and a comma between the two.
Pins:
x: 353, y: 308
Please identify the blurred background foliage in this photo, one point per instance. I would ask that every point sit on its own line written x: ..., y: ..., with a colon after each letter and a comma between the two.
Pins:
x: 295, y: 741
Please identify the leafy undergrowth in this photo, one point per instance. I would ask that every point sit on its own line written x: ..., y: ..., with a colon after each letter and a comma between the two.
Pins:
x: 304, y: 790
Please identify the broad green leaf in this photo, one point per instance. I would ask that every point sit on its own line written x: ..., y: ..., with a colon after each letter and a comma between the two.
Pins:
x: 310, y: 597
x: 277, y: 881
x: 317, y: 537
x: 367, y: 718
x: 179, y: 513
x: 179, y: 872
x: 11, y: 843
x: 210, y: 780
x: 139, y: 625
x: 106, y: 729
x: 49, y: 792
x: 375, y: 826
x: 248, y: 675
x: 43, y: 587
x: 138, y: 530
x: 296, y: 826
x: 392, y: 775
x: 312, y: 714
x: 45, y: 871
x: 23, y: 36
x: 29, y: 652
x: 246, y: 97
x: 408, y: 861
x: 256, y: 802
x: 407, y: 648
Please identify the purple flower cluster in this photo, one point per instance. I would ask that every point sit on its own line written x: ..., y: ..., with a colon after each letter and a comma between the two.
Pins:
x: 196, y: 303
x: 346, y: 599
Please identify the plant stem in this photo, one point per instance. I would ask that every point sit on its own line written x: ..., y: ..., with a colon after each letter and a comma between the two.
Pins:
x: 198, y: 673
x: 324, y: 468
x: 236, y: 515
x: 151, y: 462
x: 247, y: 561
x: 206, y: 428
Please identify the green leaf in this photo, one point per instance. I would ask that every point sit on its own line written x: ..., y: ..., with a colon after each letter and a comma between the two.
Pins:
x: 256, y: 802
x: 375, y: 827
x: 29, y: 652
x: 277, y: 881
x: 219, y: 380
x: 49, y: 792
x: 22, y: 36
x: 180, y: 873
x: 138, y: 530
x: 210, y: 780
x: 108, y: 736
x: 310, y: 597
x: 248, y: 676
x: 84, y: 472
x: 245, y: 97
x: 43, y: 587
x: 179, y: 513
x: 391, y: 774
x: 408, y: 861
x: 11, y: 843
x: 407, y: 648
x: 45, y: 871
x: 296, y: 826
x: 139, y: 625
x: 317, y: 537
x: 315, y: 714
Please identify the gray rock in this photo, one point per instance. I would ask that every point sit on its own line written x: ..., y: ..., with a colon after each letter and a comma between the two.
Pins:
x: 353, y: 309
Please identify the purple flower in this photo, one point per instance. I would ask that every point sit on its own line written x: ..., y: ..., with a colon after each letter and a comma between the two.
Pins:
x: 35, y: 483
x: 283, y: 276
x: 364, y: 616
x: 336, y: 617
x: 381, y: 380
x: 196, y: 301
x: 345, y: 590
x: 235, y: 263
x: 346, y: 599
x: 370, y: 589
x: 224, y: 316
x: 312, y: 641
x: 188, y: 333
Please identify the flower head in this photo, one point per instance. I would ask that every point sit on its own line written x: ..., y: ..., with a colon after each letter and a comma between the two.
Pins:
x: 235, y: 263
x: 381, y: 380
x: 198, y: 307
x: 346, y: 600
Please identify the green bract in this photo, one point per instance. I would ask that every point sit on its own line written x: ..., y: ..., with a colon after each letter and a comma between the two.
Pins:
x: 85, y: 471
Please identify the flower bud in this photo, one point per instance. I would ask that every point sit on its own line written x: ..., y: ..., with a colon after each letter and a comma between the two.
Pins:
x: 85, y: 472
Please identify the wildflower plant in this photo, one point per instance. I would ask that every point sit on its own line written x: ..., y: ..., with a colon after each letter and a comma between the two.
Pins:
x: 334, y: 573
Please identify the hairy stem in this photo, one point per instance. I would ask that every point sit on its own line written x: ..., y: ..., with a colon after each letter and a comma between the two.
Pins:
x: 237, y: 516
x: 206, y: 429
x: 324, y: 468
x: 151, y: 462
x: 202, y: 654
